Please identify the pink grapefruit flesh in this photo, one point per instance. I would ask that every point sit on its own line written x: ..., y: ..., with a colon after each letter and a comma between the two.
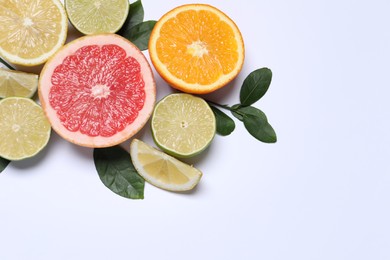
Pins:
x: 98, y: 90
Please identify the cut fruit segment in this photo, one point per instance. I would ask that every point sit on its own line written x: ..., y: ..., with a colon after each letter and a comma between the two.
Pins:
x: 17, y: 83
x: 98, y: 90
x: 31, y: 31
x: 162, y: 170
x: 196, y: 48
x: 97, y: 16
x: 24, y: 129
x: 183, y: 125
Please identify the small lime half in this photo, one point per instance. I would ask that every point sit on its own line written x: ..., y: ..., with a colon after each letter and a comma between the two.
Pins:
x: 183, y: 125
x: 24, y: 128
x: 97, y: 16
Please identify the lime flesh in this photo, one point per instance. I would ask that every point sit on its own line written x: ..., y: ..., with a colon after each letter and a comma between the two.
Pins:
x: 183, y: 125
x: 97, y: 16
x: 24, y: 129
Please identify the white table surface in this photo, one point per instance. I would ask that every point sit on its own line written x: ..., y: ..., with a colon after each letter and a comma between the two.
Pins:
x: 321, y: 192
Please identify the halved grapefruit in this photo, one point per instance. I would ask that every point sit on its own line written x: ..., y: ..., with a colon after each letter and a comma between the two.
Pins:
x: 98, y: 90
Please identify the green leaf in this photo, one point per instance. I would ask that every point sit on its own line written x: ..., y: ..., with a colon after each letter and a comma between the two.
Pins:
x: 136, y: 16
x: 3, y: 164
x: 140, y: 34
x: 256, y: 122
x: 255, y: 86
x: 117, y: 172
x: 235, y: 112
x: 225, y: 125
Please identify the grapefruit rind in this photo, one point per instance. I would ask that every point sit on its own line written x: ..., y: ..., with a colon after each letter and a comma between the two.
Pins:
x: 97, y: 141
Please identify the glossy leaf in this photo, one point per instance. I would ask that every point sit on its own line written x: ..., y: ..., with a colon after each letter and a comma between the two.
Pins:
x: 255, y: 86
x: 234, y: 110
x: 225, y: 125
x: 3, y: 164
x: 117, y: 172
x: 140, y: 34
x: 256, y: 122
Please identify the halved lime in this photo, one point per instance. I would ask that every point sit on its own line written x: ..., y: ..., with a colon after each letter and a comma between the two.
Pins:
x: 183, y: 125
x: 17, y: 83
x: 24, y: 129
x: 97, y: 16
x: 162, y: 170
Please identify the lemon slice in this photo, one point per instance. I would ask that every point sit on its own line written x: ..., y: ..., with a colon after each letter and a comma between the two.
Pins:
x: 24, y: 129
x: 31, y: 31
x: 97, y: 16
x: 17, y: 83
x: 161, y: 169
x: 183, y: 125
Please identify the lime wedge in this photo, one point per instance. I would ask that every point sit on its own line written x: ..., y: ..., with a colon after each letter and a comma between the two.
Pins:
x: 17, y: 83
x: 97, y: 16
x: 162, y: 170
x: 24, y: 129
x: 183, y: 125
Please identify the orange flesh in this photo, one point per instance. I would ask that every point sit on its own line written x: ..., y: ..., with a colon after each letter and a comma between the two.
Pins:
x: 199, y: 52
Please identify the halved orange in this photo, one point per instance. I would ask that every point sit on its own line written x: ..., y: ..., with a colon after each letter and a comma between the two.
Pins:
x: 196, y: 48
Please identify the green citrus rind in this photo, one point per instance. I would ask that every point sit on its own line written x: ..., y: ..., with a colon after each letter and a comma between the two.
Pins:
x: 175, y: 117
x: 23, y: 134
x: 106, y: 16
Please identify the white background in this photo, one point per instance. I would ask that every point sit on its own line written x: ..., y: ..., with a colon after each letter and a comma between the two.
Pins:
x: 321, y: 192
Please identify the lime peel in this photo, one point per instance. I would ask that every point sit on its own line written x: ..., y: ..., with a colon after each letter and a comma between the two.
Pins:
x: 97, y: 16
x: 24, y: 128
x: 183, y: 125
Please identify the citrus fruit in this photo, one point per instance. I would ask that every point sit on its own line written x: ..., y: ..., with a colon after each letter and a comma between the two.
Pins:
x: 196, y: 48
x: 31, y: 30
x: 161, y: 169
x: 97, y: 16
x: 17, y: 83
x: 24, y: 129
x: 183, y: 125
x: 98, y: 90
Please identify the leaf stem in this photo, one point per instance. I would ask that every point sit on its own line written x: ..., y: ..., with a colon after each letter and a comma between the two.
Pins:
x: 232, y: 109
x: 219, y: 105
